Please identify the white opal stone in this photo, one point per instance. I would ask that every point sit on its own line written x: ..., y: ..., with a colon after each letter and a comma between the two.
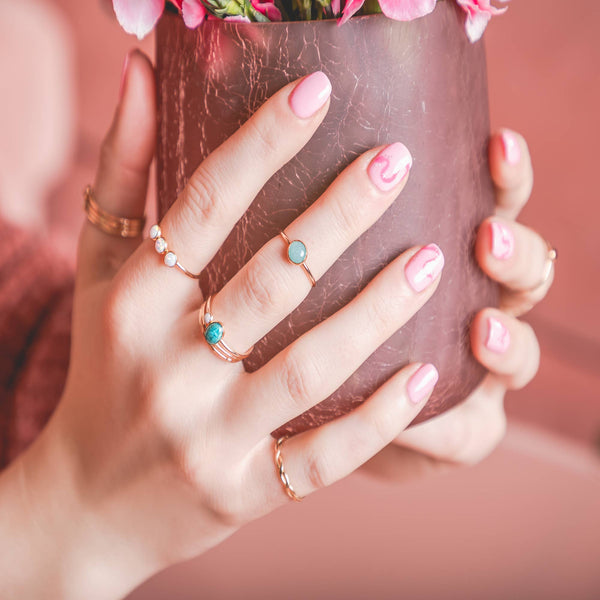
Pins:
x: 207, y: 318
x: 154, y: 231
x: 160, y: 245
x: 170, y: 259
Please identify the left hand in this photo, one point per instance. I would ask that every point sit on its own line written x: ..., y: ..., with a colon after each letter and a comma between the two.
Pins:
x: 515, y: 256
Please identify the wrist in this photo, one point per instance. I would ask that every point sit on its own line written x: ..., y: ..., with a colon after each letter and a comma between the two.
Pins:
x: 61, y: 543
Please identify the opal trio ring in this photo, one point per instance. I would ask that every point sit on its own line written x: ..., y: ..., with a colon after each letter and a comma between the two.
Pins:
x: 170, y: 258
x: 120, y: 226
x: 285, y: 480
x: 551, y: 256
x: 213, y: 334
x: 297, y: 255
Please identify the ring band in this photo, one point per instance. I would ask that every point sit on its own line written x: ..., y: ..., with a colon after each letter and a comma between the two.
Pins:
x: 170, y: 258
x: 297, y: 255
x: 119, y: 226
x: 213, y: 334
x: 550, y: 258
x: 285, y: 480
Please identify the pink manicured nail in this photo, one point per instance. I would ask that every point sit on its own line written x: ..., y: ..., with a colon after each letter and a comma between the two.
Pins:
x: 503, y: 241
x: 498, y: 337
x: 390, y: 166
x: 419, y: 386
x: 510, y: 144
x: 310, y: 94
x: 123, y: 76
x: 424, y: 267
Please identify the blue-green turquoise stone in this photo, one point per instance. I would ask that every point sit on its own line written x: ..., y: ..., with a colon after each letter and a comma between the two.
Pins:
x: 214, y: 333
x: 297, y: 252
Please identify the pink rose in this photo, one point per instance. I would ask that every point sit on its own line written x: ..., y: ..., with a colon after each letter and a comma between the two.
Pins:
x: 138, y: 16
x: 193, y: 12
x: 399, y: 10
x: 268, y: 9
x: 479, y: 12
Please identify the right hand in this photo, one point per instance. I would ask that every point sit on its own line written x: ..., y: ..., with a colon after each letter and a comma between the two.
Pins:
x: 167, y: 448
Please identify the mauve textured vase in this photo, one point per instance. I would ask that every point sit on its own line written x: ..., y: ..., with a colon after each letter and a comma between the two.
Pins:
x: 420, y: 82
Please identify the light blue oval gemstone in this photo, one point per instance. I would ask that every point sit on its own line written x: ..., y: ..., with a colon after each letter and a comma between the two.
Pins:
x: 214, y: 333
x: 297, y: 252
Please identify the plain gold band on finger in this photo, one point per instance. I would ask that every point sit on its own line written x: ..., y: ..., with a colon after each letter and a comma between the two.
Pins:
x: 285, y: 480
x: 551, y: 256
x: 122, y: 227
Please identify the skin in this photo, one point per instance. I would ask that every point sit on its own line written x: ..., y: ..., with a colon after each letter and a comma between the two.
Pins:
x: 159, y: 450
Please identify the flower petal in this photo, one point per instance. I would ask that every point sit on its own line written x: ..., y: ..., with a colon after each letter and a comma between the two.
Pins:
x: 406, y: 10
x: 239, y: 18
x: 177, y: 3
x: 138, y: 16
x: 335, y: 7
x: 350, y: 8
x: 268, y: 9
x: 193, y: 12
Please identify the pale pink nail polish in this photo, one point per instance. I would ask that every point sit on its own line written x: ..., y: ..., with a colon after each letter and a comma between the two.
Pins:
x: 424, y: 267
x: 502, y: 241
x: 310, y: 94
x: 498, y: 337
x: 421, y: 383
x: 390, y: 166
x: 510, y: 145
x: 123, y: 76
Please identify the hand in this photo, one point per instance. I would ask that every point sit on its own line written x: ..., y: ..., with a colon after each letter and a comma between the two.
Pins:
x: 515, y: 256
x: 159, y: 449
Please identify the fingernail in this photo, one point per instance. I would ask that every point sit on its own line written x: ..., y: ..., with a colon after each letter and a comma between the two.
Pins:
x: 512, y: 150
x: 390, y: 166
x: 421, y: 383
x: 424, y: 267
x: 123, y: 77
x: 498, y: 337
x: 310, y: 94
x: 503, y: 241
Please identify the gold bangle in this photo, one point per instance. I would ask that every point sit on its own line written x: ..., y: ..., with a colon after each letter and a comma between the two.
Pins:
x: 118, y: 226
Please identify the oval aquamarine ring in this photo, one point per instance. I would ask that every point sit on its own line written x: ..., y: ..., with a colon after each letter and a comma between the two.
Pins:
x: 297, y: 255
x: 213, y: 333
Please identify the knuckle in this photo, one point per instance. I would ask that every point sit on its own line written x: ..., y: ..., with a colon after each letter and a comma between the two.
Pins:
x: 265, y: 134
x: 317, y: 472
x: 202, y: 198
x: 262, y: 285
x: 347, y: 218
x: 299, y: 381
x: 380, y: 311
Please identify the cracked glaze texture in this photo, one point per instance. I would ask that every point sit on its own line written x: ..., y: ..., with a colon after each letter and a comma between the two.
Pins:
x: 421, y: 83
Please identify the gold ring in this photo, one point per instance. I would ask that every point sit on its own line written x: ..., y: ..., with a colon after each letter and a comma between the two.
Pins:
x: 170, y: 258
x: 119, y: 226
x: 550, y: 258
x: 297, y: 255
x: 213, y: 334
x: 285, y: 480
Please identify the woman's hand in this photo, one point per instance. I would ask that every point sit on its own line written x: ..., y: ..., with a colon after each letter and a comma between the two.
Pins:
x: 159, y: 449
x: 515, y: 256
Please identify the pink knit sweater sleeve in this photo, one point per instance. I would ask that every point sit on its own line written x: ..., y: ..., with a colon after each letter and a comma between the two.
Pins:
x: 36, y: 295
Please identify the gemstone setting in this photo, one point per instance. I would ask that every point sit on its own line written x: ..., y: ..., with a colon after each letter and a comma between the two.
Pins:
x: 170, y: 259
x: 214, y: 333
x: 160, y: 245
x: 154, y: 232
x: 297, y: 252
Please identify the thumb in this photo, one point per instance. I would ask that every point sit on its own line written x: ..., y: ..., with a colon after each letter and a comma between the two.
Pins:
x: 121, y: 181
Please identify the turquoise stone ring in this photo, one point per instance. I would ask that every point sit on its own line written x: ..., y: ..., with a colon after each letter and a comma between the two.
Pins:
x: 297, y: 254
x: 214, y: 331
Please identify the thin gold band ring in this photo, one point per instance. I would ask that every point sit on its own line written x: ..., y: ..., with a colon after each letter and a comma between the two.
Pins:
x: 285, y: 480
x: 122, y: 227
x: 297, y: 255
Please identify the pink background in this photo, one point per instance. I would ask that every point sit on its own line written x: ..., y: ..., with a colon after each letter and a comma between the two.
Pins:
x: 524, y: 523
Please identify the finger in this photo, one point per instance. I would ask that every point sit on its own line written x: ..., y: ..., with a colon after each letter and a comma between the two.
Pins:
x: 465, y: 434
x: 318, y: 362
x: 213, y: 200
x: 121, y: 181
x: 506, y: 346
x: 512, y: 172
x: 517, y: 257
x: 319, y: 457
x: 269, y: 286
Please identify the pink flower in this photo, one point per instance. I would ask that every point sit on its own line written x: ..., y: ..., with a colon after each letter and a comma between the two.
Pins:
x: 193, y: 12
x: 138, y: 16
x: 268, y: 9
x: 479, y: 12
x: 399, y: 10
